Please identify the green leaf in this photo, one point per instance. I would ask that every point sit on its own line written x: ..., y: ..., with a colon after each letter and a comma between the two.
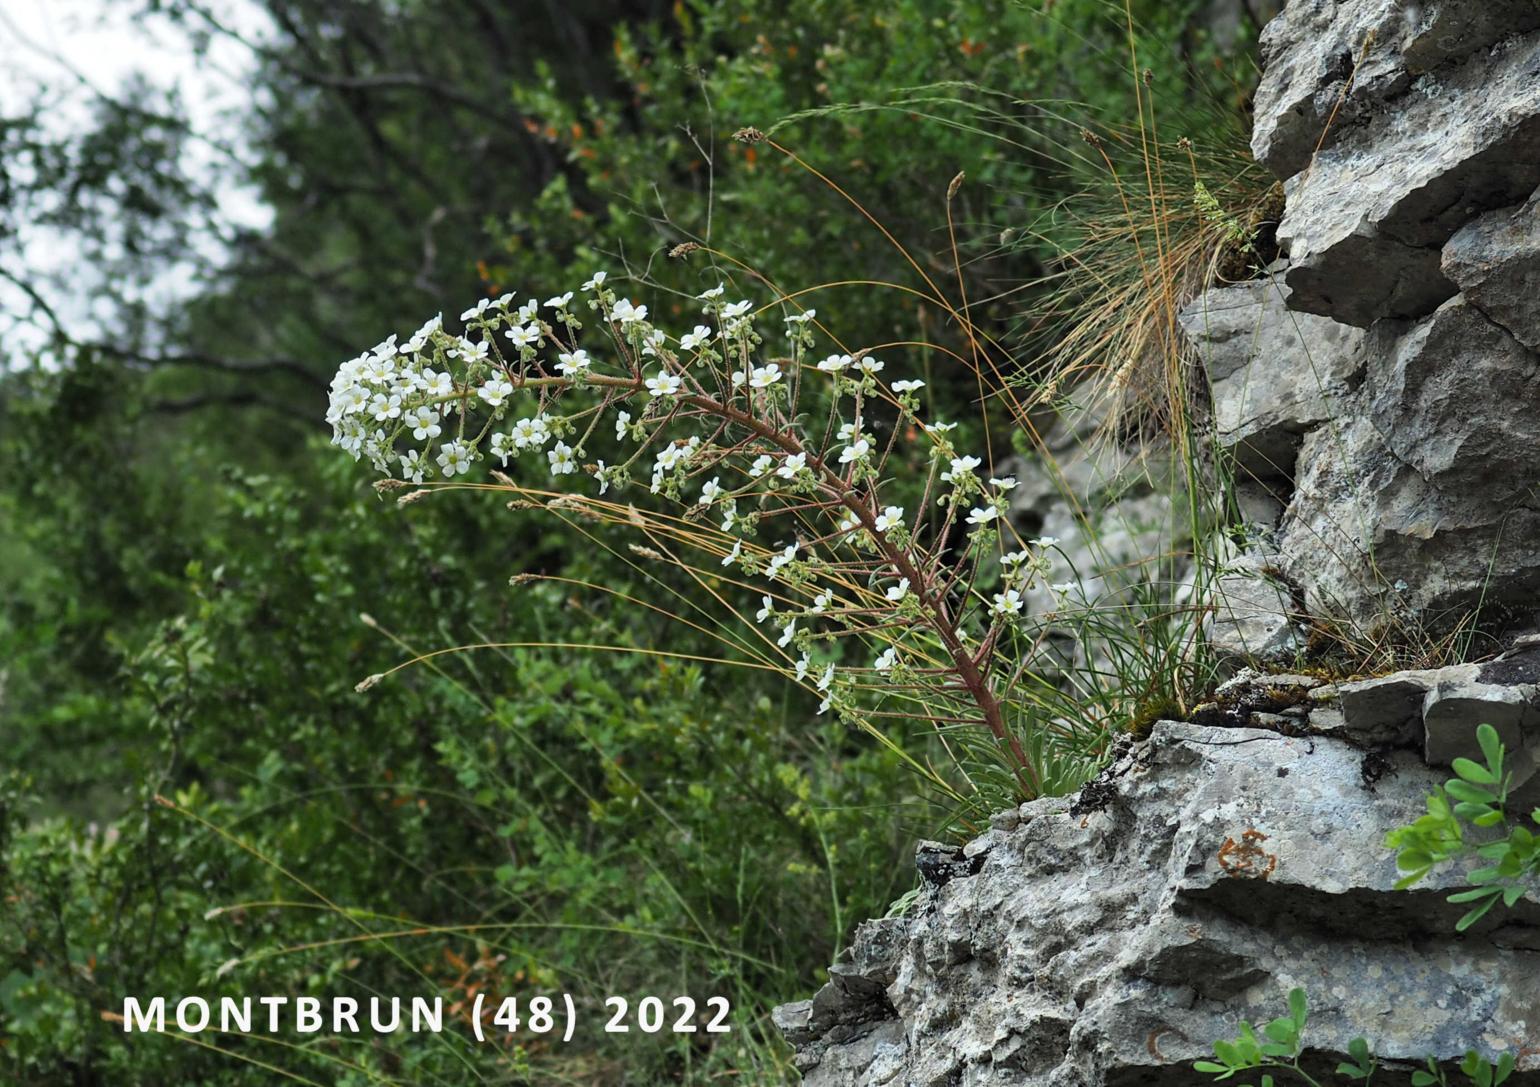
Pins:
x: 1283, y: 1031
x: 1474, y: 772
x: 1298, y: 1008
x: 1475, y: 915
x: 1422, y: 1079
x: 1209, y: 1067
x: 1475, y: 894
x: 1491, y: 747
x: 1472, y: 794
x: 1505, y: 1065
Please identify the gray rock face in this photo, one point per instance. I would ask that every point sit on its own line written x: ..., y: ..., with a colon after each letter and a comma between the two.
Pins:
x: 1495, y: 260
x: 1254, y: 617
x: 1107, y: 945
x: 1367, y: 218
x: 1311, y: 96
x: 1422, y: 500
x: 1437, y: 710
x: 1273, y: 373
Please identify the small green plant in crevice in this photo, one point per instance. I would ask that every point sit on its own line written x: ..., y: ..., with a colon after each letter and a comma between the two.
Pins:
x: 1281, y: 1044
x: 1477, y: 795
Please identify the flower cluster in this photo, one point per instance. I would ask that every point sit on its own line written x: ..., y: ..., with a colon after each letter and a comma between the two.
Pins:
x: 712, y: 419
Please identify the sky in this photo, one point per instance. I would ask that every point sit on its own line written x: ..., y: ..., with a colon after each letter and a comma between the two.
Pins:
x: 73, y: 50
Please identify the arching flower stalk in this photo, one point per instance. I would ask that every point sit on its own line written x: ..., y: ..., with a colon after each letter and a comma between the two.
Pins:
x: 862, y: 600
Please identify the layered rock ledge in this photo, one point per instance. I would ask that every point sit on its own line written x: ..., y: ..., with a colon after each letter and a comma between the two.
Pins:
x: 1107, y: 940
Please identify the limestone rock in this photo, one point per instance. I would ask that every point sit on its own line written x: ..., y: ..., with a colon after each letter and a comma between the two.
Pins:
x: 1495, y: 260
x: 1424, y: 496
x: 1309, y: 53
x: 1365, y: 222
x: 1220, y: 868
x: 1254, y: 615
x: 1274, y: 373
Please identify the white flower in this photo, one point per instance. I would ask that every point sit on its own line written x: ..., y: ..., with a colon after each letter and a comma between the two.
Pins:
x: 419, y: 338
x: 729, y: 514
x: 802, y: 663
x: 898, y: 592
x: 801, y: 318
x: 571, y: 362
x: 849, y: 523
x: 669, y: 458
x: 692, y: 341
x: 1015, y: 558
x: 664, y: 384
x: 850, y: 431
x: 476, y: 311
x: 471, y: 353
x: 502, y: 448
x: 890, y: 518
x: 1044, y: 541
x: 377, y: 369
x: 907, y: 386
x: 714, y: 292
x: 788, y: 632
x: 934, y: 429
x: 413, y: 465
x: 495, y: 391
x: 825, y: 680
x: 454, y: 458
x: 822, y: 601
x: 733, y: 555
x: 870, y: 366
x: 961, y: 466
x: 766, y: 611
x: 352, y: 400
x: 735, y: 310
x: 523, y: 335
x: 627, y: 314
x: 778, y: 561
x: 502, y: 300
x: 792, y: 465
x: 424, y: 423
x: 982, y: 515
x: 1063, y: 588
x: 761, y: 465
x: 765, y: 376
x: 386, y: 349
x: 527, y: 311
x: 653, y: 342
x: 531, y: 433
x: 559, y: 302
x: 595, y: 281
x: 384, y: 407
x: 435, y: 384
x: 709, y: 492
x: 1004, y: 483
x: 835, y: 363
x: 857, y: 452
x: 562, y: 461
x: 885, y: 662
x: 1007, y: 603
x: 601, y: 474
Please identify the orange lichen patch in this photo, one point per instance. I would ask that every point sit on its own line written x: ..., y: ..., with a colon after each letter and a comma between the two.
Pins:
x: 1247, y: 859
